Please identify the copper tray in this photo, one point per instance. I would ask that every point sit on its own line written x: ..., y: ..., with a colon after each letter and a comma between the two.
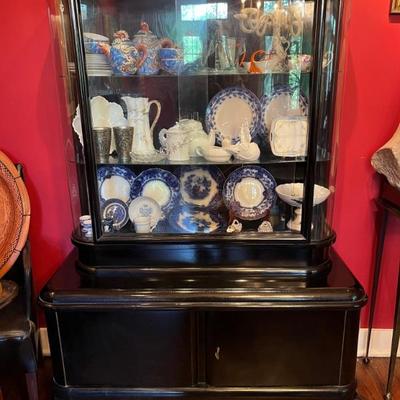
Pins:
x: 14, y: 214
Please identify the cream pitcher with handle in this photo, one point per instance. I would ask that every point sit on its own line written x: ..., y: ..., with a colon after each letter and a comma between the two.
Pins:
x: 138, y: 117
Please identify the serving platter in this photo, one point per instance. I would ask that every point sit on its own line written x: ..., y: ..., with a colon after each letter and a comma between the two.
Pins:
x: 249, y: 192
x: 160, y: 185
x: 229, y: 110
x: 201, y: 186
x: 115, y: 182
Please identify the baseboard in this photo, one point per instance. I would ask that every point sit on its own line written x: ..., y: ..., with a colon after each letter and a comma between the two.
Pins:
x: 381, y: 342
x: 44, y: 342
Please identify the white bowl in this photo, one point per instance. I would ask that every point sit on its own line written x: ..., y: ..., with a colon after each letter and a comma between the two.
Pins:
x: 292, y: 194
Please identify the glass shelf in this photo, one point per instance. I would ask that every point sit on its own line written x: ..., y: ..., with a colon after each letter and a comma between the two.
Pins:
x: 199, y: 74
x: 269, y: 159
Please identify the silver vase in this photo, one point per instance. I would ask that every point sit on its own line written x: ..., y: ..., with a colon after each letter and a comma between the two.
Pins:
x: 123, y: 142
x: 102, y: 144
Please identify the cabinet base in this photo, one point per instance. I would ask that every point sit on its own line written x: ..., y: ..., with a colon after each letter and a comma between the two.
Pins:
x: 282, y: 393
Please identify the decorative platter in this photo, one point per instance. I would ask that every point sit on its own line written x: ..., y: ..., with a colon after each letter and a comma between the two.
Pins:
x: 201, y: 186
x: 289, y: 136
x: 282, y: 103
x: 145, y: 207
x: 249, y: 192
x: 229, y: 109
x: 115, y: 182
x: 14, y: 215
x: 192, y: 220
x: 160, y: 185
x: 117, y: 210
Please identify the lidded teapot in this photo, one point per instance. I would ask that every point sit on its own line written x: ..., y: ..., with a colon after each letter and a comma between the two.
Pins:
x: 125, y: 57
x: 145, y: 37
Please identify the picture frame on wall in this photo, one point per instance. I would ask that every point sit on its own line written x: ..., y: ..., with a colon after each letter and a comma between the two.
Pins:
x: 395, y: 7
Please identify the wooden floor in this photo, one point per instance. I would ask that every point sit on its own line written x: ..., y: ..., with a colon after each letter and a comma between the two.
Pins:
x: 371, y: 382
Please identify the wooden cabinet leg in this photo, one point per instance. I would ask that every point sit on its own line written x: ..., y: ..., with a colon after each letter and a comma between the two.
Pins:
x: 32, y: 386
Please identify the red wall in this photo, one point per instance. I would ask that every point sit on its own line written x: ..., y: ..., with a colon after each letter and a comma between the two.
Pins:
x: 31, y: 122
x: 30, y: 125
x: 370, y: 114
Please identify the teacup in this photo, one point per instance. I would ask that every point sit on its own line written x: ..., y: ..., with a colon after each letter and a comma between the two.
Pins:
x: 171, y: 60
x: 143, y: 225
x: 168, y: 53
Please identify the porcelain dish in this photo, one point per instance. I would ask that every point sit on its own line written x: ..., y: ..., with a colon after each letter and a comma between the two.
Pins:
x: 201, y: 186
x: 229, y: 109
x: 292, y: 194
x: 289, y: 136
x: 115, y: 182
x: 282, y: 103
x: 160, y: 185
x: 116, y: 210
x: 249, y: 192
x: 193, y: 220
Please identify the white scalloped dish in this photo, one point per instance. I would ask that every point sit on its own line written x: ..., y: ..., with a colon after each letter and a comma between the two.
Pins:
x: 289, y: 136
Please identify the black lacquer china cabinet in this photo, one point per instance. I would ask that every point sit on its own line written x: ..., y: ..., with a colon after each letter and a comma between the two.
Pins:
x: 201, y: 151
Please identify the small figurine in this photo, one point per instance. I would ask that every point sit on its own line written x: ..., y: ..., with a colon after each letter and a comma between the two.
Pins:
x: 265, y: 227
x: 235, y: 226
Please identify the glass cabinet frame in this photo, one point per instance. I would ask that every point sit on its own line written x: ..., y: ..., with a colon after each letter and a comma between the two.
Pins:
x: 322, y: 89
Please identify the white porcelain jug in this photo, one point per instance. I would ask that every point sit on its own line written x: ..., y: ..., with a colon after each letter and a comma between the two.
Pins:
x: 138, y: 117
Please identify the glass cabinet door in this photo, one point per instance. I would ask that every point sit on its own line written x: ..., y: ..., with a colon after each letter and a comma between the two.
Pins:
x: 198, y: 115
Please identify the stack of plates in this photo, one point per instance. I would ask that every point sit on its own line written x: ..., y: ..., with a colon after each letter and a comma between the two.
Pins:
x: 98, y: 65
x: 96, y: 62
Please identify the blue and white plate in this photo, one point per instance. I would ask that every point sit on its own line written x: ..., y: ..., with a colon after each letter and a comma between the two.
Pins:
x: 283, y: 102
x: 249, y: 192
x: 160, y: 185
x: 115, y: 182
x: 229, y: 109
x: 194, y: 220
x: 117, y: 210
x: 201, y: 186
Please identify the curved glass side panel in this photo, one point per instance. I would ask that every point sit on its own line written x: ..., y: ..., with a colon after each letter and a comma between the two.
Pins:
x: 327, y: 141
x: 68, y: 83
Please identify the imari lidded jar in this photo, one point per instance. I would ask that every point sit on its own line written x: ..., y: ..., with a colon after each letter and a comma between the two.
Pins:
x: 147, y: 38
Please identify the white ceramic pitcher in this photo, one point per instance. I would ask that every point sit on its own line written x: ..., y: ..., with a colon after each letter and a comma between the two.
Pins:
x: 138, y: 117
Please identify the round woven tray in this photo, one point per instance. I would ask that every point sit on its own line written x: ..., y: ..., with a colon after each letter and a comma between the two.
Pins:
x: 14, y: 214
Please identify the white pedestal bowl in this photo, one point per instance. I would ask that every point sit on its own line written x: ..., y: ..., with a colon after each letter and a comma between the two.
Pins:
x: 292, y: 194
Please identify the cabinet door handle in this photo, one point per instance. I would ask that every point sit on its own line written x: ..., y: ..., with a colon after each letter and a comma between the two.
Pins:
x: 216, y: 354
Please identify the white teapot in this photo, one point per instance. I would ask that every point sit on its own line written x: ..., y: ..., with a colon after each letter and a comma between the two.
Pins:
x: 175, y: 142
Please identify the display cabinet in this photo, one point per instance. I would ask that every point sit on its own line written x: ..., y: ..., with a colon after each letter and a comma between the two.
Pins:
x: 202, y: 167
x: 207, y: 125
